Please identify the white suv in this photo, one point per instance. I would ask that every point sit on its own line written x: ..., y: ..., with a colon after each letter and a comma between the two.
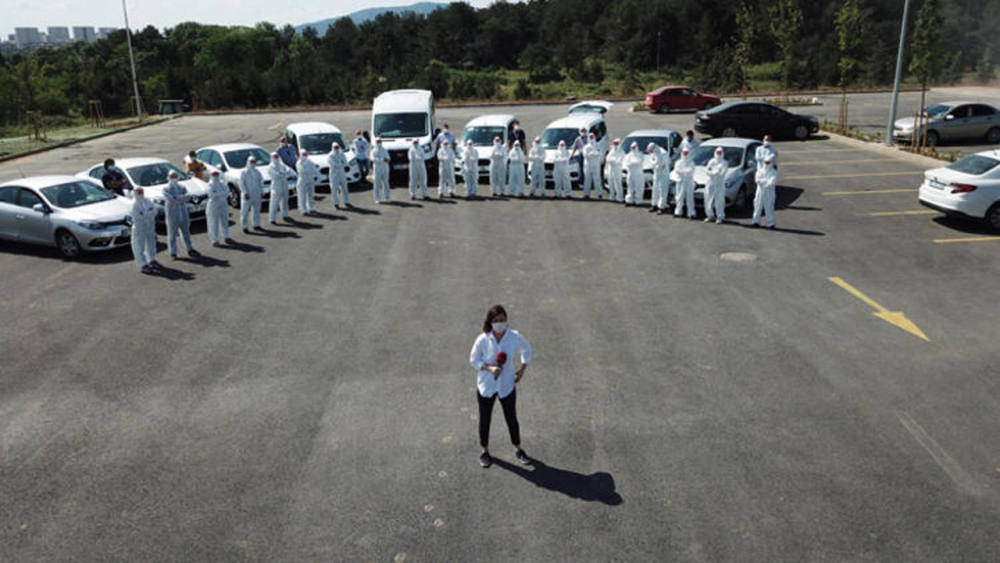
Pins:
x: 318, y: 138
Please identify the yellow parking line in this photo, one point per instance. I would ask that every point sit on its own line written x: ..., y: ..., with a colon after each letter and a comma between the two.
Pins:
x: 970, y: 239
x: 855, y: 175
x: 866, y: 192
x: 821, y: 162
x: 901, y: 213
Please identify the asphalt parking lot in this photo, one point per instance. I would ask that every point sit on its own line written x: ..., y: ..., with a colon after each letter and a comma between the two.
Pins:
x: 697, y: 393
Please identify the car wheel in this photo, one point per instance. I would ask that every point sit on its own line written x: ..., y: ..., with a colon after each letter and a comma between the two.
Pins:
x: 663, y: 108
x: 993, y: 136
x: 729, y: 132
x: 708, y: 105
x: 993, y: 218
x: 234, y: 197
x: 743, y: 200
x: 801, y: 132
x: 68, y: 246
x: 932, y: 138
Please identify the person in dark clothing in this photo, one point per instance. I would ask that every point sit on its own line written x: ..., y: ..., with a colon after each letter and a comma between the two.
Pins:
x: 113, y: 179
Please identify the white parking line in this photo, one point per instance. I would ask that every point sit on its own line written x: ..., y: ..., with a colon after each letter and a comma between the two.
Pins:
x: 903, y: 213
x: 275, y: 126
x: 869, y: 192
x: 821, y: 162
x: 855, y: 175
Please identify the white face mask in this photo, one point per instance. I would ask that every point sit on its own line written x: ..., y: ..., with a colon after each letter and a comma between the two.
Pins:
x: 499, y: 327
x: 767, y: 143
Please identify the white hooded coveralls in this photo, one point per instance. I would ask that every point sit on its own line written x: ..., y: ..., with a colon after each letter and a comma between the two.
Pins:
x: 613, y: 173
x: 217, y: 211
x: 418, y: 171
x: 498, y: 168
x: 252, y: 193
x: 536, y: 169
x: 715, y: 190
x: 685, y: 187
x: 516, y: 166
x: 591, y: 169
x: 308, y: 173
x: 636, y: 176
x: 661, y: 177
x: 338, y: 177
x: 380, y: 172
x: 446, y: 170
x: 175, y: 208
x: 279, y: 189
x: 763, y: 203
x: 470, y: 169
x: 143, y: 216
x: 560, y: 172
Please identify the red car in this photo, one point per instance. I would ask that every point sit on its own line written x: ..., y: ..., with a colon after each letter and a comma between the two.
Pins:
x: 673, y: 98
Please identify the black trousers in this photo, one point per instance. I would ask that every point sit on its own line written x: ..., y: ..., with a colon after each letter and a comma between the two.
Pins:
x: 509, y: 405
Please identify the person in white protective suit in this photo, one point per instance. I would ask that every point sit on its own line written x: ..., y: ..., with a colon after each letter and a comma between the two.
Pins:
x: 338, y: 177
x: 661, y: 178
x: 446, y: 169
x: 470, y: 169
x: 560, y: 172
x: 684, y: 198
x: 379, y: 157
x: 498, y: 167
x: 217, y: 211
x: 308, y: 173
x: 175, y: 207
x: 143, y: 219
x: 536, y: 168
x: 252, y: 188
x: 516, y: 166
x: 715, y: 189
x: 765, y: 150
x: 613, y: 171
x: 591, y: 167
x: 763, y: 203
x: 279, y: 189
x: 636, y: 176
x: 418, y: 171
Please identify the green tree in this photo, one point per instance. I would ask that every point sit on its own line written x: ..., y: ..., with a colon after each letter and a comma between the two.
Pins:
x: 786, y: 28
x: 927, y: 59
x: 985, y: 67
x: 746, y: 36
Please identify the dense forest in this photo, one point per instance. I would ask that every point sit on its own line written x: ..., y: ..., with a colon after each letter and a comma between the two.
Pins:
x: 523, y: 50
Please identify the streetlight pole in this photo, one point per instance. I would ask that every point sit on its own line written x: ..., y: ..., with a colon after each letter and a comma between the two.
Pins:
x: 899, y: 75
x: 131, y: 57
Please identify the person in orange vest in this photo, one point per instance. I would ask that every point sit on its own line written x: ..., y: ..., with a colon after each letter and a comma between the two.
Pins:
x: 195, y: 166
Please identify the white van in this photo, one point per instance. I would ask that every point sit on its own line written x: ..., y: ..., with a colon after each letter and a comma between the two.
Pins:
x: 318, y: 138
x: 399, y: 117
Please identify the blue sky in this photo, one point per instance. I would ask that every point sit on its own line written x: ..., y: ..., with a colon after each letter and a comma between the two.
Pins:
x: 108, y: 13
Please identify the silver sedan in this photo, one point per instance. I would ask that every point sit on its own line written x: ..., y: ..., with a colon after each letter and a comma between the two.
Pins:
x: 952, y: 121
x: 68, y: 213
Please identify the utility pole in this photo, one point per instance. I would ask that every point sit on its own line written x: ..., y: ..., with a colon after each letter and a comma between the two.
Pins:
x: 131, y: 57
x: 899, y: 75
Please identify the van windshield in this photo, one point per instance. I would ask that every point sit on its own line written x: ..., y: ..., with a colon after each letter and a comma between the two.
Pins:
x: 396, y: 125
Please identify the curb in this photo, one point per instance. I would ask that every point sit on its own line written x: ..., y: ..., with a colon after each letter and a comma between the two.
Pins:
x: 888, y: 151
x: 8, y: 158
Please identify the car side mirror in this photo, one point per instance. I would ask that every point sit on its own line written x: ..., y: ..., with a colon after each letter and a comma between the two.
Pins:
x: 40, y: 208
x: 222, y: 167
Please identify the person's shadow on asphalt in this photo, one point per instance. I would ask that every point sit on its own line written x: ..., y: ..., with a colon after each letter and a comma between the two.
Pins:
x: 598, y: 487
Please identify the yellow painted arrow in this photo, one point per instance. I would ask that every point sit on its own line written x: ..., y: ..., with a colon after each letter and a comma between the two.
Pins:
x: 892, y: 317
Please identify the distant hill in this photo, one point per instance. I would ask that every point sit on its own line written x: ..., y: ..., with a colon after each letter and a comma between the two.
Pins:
x: 362, y: 16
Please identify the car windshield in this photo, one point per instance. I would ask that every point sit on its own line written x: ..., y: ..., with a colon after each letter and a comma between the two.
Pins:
x: 732, y: 155
x: 643, y: 142
x: 238, y: 159
x: 397, y: 125
x: 976, y: 165
x: 937, y: 111
x: 551, y: 137
x: 320, y: 143
x: 589, y: 109
x: 153, y: 174
x: 482, y: 136
x: 76, y: 194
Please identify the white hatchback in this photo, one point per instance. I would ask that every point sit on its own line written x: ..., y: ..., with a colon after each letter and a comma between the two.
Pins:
x: 969, y: 187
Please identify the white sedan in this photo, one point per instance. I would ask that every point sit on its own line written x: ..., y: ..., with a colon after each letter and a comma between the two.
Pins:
x: 231, y: 159
x: 739, y: 180
x: 969, y: 187
x: 151, y: 174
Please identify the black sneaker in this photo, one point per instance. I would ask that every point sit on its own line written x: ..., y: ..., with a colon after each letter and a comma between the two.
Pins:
x: 485, y: 460
x: 522, y: 457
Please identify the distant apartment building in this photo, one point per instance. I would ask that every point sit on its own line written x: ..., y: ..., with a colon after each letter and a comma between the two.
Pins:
x: 58, y: 35
x: 84, y: 34
x: 103, y: 32
x: 26, y: 37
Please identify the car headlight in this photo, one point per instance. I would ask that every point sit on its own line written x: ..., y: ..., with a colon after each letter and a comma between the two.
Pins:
x: 92, y: 225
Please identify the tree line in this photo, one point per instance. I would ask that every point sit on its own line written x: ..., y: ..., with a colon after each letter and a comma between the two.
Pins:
x: 521, y: 50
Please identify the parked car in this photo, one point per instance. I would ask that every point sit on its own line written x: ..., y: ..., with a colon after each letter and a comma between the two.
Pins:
x: 151, y: 174
x: 952, y: 121
x: 318, y: 138
x: 740, y: 182
x: 399, y: 117
x: 679, y: 98
x: 591, y: 106
x: 969, y: 187
x: 72, y: 214
x: 667, y: 139
x: 481, y: 131
x: 568, y: 129
x: 754, y: 119
x: 232, y: 158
